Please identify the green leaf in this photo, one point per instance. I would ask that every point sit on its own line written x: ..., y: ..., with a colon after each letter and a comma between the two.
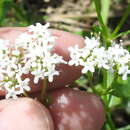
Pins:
x: 125, y: 128
x: 99, y: 89
x: 82, y: 81
x: 114, y: 101
x: 122, y: 88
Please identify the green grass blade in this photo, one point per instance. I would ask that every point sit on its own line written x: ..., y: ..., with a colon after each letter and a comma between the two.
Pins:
x: 105, y: 10
x: 125, y: 16
x: 98, y: 10
x: 121, y: 34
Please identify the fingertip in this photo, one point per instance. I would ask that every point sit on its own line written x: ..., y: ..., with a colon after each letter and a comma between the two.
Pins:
x: 11, y: 33
x: 69, y: 106
x: 27, y: 110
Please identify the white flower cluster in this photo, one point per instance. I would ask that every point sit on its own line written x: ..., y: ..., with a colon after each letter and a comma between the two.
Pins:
x: 119, y: 59
x: 32, y: 53
x: 11, y: 70
x: 93, y: 55
x: 39, y: 59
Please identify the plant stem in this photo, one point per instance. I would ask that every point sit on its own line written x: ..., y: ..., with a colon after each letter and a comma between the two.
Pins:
x: 126, y: 14
x: 110, y: 121
x: 44, y: 88
x: 107, y: 84
x: 25, y: 94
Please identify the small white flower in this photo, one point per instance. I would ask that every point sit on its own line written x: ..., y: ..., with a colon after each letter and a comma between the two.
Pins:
x: 92, y: 43
x: 86, y: 56
x: 11, y: 93
x: 16, y: 52
x: 51, y: 73
x: 75, y: 55
x: 124, y: 71
x: 38, y: 28
x: 87, y: 68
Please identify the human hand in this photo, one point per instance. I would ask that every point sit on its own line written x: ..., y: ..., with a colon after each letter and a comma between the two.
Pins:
x: 63, y: 41
x: 29, y: 114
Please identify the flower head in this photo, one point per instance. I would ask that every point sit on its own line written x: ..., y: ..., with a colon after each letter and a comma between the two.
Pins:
x: 32, y: 53
x: 93, y: 56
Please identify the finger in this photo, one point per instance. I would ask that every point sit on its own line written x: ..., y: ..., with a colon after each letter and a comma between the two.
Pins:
x: 64, y: 40
x: 24, y: 114
x: 76, y: 110
x: 11, y: 33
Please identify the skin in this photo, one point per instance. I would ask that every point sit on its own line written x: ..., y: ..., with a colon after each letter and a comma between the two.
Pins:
x: 28, y: 114
x: 76, y: 110
x: 24, y: 114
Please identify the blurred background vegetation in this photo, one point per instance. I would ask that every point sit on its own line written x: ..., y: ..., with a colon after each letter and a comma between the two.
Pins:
x: 77, y: 16
x: 72, y: 15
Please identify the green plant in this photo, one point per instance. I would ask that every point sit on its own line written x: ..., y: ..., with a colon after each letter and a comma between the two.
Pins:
x: 110, y: 86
